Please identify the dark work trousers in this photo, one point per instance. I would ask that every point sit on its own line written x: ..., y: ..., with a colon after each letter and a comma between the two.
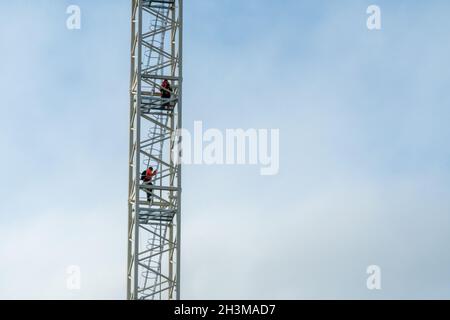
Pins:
x: 149, y: 192
x: 166, y: 96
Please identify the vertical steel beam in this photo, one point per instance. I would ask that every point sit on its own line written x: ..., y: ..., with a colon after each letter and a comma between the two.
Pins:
x: 138, y: 147
x: 180, y: 125
x: 132, y: 151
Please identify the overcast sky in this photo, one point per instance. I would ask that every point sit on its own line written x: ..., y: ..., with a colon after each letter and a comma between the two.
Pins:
x: 364, y: 153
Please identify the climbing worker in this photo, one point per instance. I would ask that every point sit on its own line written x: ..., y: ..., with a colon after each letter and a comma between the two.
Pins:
x: 147, y: 176
x: 166, y: 93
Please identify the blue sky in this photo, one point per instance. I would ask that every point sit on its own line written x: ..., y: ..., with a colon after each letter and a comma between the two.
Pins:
x: 364, y: 163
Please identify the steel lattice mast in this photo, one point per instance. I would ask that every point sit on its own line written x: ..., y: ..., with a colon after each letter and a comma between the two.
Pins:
x: 153, y: 270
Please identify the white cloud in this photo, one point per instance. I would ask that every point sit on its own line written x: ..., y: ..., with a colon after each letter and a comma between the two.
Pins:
x: 36, y: 252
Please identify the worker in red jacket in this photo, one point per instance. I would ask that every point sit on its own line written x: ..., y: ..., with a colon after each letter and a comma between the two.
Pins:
x: 166, y: 93
x: 147, y: 177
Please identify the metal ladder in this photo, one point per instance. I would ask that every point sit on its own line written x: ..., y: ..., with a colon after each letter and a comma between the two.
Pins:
x: 156, y: 138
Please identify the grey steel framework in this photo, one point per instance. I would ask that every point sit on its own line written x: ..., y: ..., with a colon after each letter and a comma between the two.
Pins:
x: 153, y: 270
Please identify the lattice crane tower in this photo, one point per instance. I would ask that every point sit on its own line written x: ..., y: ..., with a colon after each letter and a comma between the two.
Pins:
x: 154, y: 204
